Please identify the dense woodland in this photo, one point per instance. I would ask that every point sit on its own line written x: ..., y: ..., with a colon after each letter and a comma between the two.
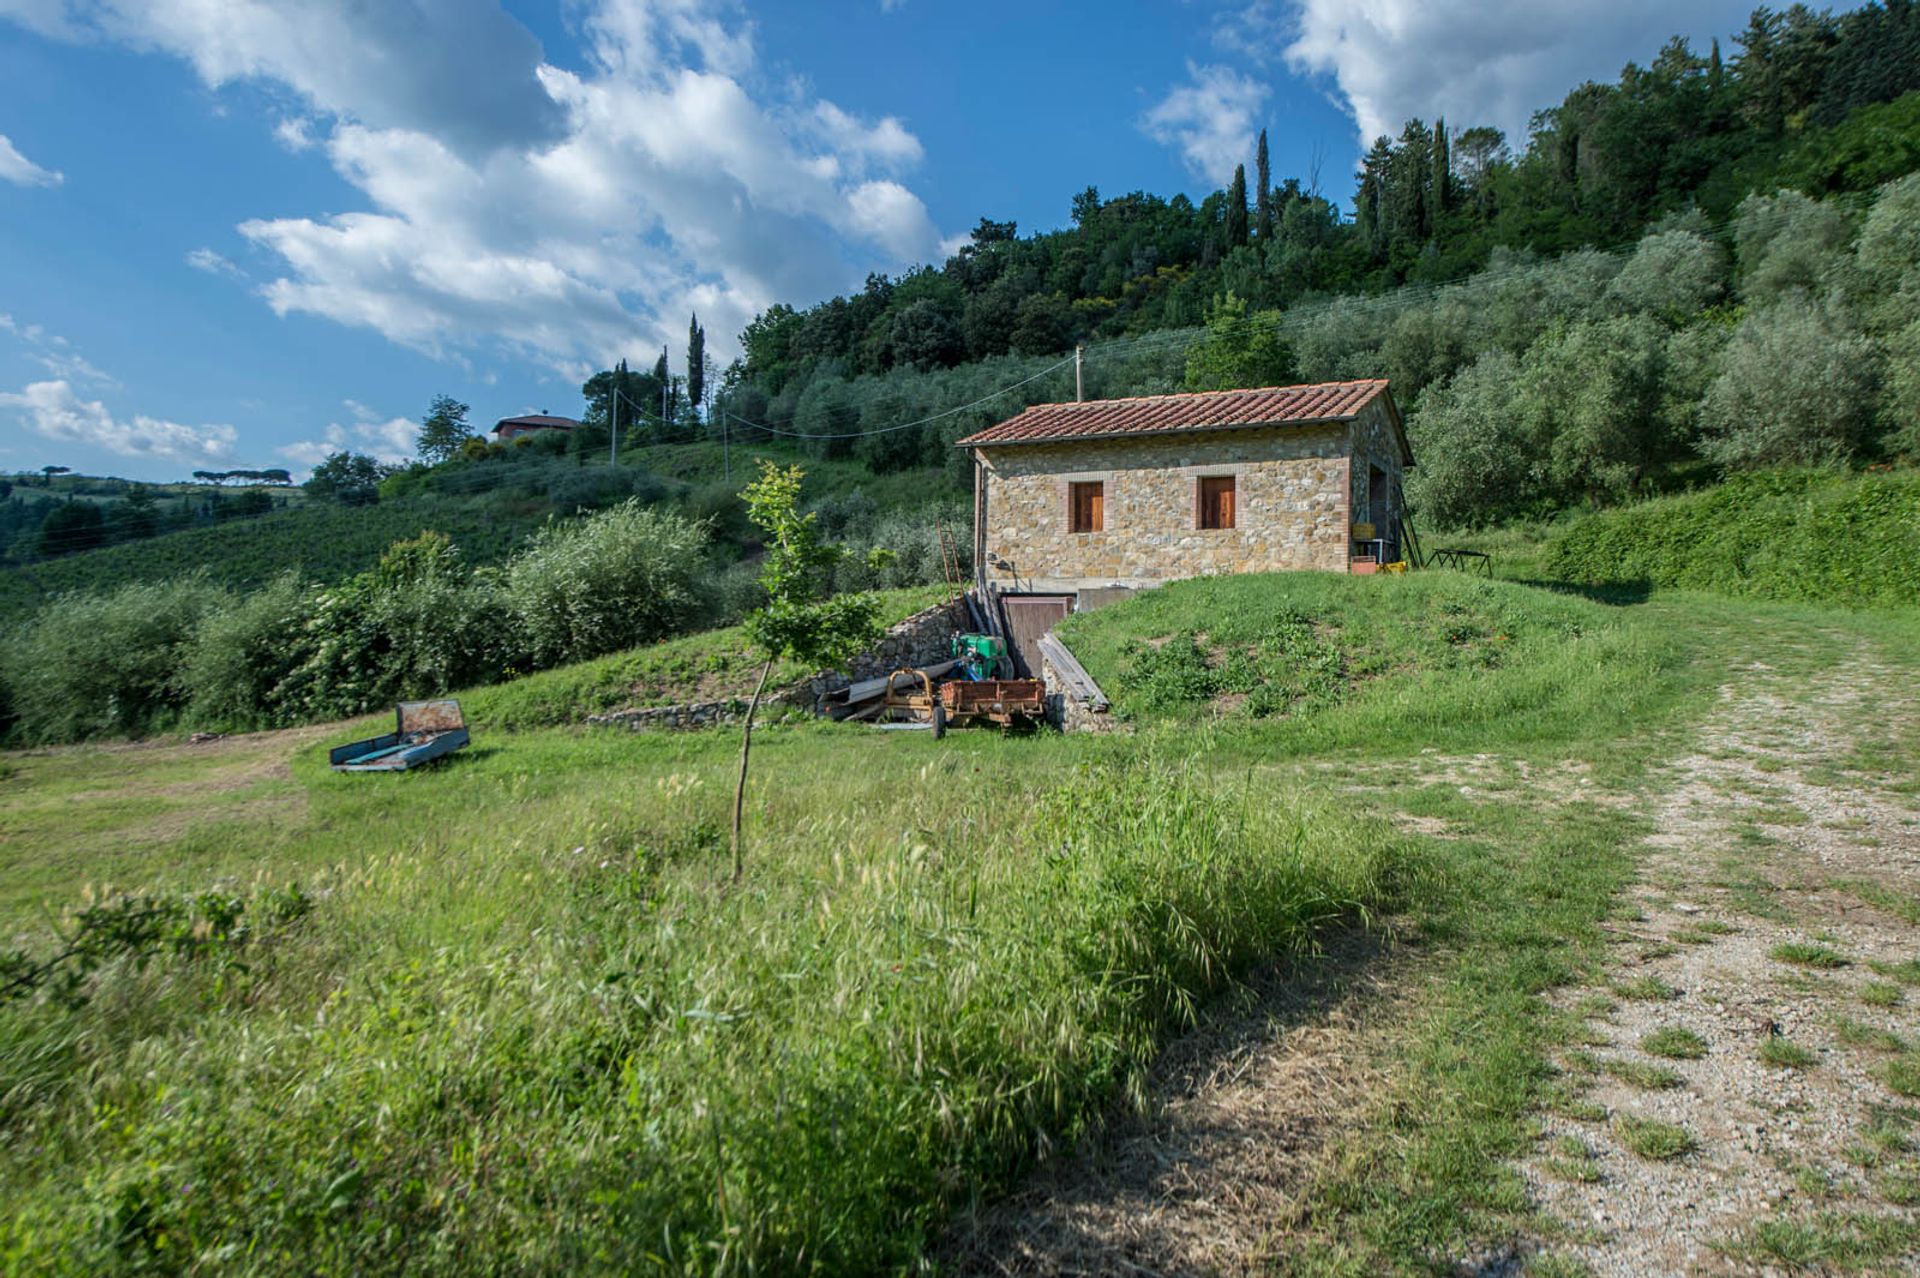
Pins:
x: 1708, y: 266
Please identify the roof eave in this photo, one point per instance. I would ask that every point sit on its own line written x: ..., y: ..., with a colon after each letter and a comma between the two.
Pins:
x: 1213, y: 428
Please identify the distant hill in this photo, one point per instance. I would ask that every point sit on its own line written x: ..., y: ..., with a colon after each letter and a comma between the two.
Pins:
x: 487, y: 508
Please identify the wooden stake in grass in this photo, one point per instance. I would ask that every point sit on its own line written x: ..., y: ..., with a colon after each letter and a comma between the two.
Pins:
x: 802, y: 620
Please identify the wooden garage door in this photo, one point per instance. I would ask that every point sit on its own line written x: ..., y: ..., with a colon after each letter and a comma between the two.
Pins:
x: 1029, y: 617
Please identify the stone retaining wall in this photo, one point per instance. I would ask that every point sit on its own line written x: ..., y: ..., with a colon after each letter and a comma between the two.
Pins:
x: 1070, y: 714
x: 924, y: 639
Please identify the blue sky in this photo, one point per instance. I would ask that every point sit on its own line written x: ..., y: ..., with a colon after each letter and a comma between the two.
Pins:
x: 244, y: 233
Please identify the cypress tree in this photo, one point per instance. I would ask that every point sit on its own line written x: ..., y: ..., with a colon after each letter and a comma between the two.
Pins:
x: 1440, y: 197
x: 1237, y: 208
x: 1263, y: 198
x: 696, y: 362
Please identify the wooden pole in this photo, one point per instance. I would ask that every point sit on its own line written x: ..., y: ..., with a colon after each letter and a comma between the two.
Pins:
x: 1079, y: 387
x: 746, y: 746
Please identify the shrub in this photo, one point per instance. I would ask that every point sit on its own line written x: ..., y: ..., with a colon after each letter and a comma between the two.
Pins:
x: 418, y: 624
x: 1889, y: 252
x: 1777, y: 534
x: 243, y: 653
x: 622, y: 577
x: 1672, y: 274
x: 590, y: 488
x: 1788, y: 244
x: 106, y: 664
x: 1797, y: 386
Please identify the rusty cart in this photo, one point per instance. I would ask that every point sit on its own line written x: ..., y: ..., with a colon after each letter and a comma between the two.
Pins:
x: 913, y: 700
x: 423, y: 731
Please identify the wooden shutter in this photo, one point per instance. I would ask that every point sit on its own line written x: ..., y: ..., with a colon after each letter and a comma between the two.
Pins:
x: 1087, y: 507
x: 1216, y: 501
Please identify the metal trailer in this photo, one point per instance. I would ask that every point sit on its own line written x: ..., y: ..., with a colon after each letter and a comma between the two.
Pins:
x: 423, y: 731
x: 912, y: 700
x: 1007, y: 702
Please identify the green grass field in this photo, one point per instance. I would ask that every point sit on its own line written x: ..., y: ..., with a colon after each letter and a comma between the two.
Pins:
x: 521, y: 1022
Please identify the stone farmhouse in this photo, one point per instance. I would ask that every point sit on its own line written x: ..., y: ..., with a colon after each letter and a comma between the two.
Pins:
x: 1073, y: 502
x: 513, y: 427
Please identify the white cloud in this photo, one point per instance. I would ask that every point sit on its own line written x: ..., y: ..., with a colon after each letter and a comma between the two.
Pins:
x: 390, y: 440
x: 206, y: 259
x: 53, y: 409
x: 672, y: 181
x: 19, y: 170
x: 53, y: 352
x: 295, y: 133
x: 1254, y: 30
x: 463, y: 69
x: 1481, y: 61
x: 1211, y: 119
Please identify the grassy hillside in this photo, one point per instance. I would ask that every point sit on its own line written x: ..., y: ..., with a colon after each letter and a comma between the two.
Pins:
x: 323, y: 541
x: 710, y: 666
x: 1815, y: 535
x: 487, y: 508
x: 1338, y: 660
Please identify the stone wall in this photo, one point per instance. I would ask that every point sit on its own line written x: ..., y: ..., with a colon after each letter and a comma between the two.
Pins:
x: 1070, y: 714
x: 1290, y: 498
x: 923, y: 639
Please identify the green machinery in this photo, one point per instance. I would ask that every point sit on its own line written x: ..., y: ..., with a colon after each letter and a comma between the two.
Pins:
x: 980, y: 656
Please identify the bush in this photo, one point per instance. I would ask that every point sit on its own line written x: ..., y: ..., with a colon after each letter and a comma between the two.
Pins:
x: 1849, y: 539
x: 1671, y: 274
x: 590, y: 488
x: 417, y: 625
x: 1789, y: 244
x: 106, y: 664
x: 243, y: 653
x: 1798, y: 386
x: 622, y: 577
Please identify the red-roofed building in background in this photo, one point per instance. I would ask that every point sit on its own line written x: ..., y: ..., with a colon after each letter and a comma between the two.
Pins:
x: 511, y: 427
x: 1120, y: 494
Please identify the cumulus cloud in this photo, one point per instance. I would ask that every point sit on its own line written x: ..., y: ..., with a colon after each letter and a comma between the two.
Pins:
x: 1211, y: 119
x: 1481, y: 62
x: 391, y: 439
x: 213, y: 263
x: 53, y: 409
x: 672, y: 181
x: 19, y: 170
x: 461, y: 69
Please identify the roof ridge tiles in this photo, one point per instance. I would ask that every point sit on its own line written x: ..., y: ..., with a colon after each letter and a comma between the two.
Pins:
x: 1146, y: 415
x: 1237, y: 390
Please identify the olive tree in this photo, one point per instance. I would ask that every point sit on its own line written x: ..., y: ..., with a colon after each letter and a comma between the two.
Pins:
x: 1797, y: 386
x: 802, y: 620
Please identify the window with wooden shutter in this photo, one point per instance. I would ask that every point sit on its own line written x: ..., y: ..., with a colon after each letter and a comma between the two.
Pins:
x: 1086, y: 507
x: 1216, y: 501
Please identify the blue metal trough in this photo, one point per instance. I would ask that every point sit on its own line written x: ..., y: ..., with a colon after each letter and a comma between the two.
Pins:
x: 423, y: 731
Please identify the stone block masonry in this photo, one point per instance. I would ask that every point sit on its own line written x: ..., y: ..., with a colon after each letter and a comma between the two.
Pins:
x: 1291, y: 498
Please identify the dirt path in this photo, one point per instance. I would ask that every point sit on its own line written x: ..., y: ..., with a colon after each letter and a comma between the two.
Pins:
x: 1752, y: 1037
x: 1237, y: 1113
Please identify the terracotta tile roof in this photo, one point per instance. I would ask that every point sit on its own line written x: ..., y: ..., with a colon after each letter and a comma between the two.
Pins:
x: 535, y: 421
x: 1165, y: 414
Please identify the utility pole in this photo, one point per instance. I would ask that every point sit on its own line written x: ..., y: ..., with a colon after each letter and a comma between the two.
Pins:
x: 1079, y: 386
x: 613, y: 409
